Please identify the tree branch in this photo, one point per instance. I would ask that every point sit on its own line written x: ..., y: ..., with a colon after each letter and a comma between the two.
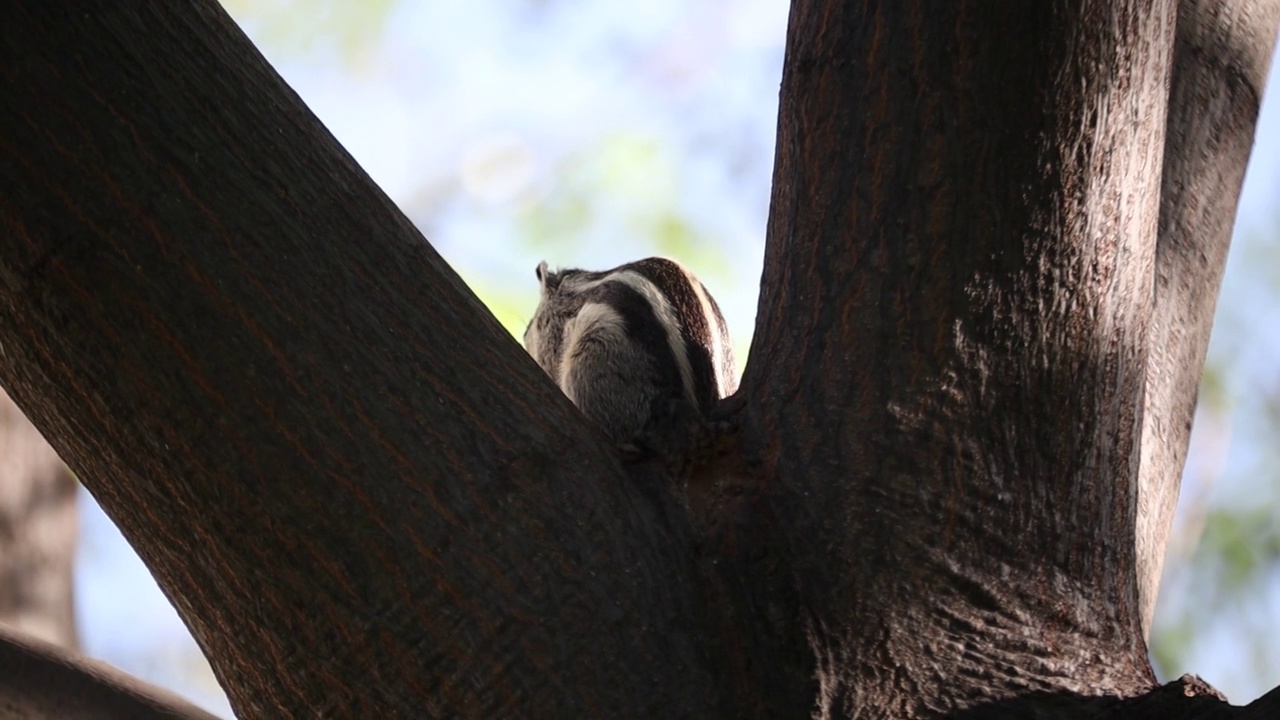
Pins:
x: 1187, y: 698
x: 1221, y: 58
x: 949, y: 360
x: 361, y: 495
x: 41, y: 681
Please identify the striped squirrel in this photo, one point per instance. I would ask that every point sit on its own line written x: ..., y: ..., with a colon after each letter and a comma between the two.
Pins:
x: 636, y: 348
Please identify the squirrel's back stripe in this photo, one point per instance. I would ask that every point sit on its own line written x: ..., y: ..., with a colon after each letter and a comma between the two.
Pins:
x: 706, y: 334
x: 617, y: 340
x: 593, y: 318
x: 665, y: 319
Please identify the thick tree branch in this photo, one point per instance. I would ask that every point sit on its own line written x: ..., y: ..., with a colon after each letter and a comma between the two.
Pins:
x: 40, y: 681
x: 362, y: 497
x: 948, y: 367
x: 1221, y: 57
x: 1187, y: 698
x: 366, y: 501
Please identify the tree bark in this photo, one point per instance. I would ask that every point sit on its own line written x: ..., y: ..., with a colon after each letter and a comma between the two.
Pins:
x: 1221, y: 58
x: 366, y: 501
x: 38, y: 529
x: 41, y: 681
x: 952, y: 335
x: 362, y: 496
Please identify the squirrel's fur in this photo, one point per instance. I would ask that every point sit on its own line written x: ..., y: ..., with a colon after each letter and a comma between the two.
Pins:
x: 628, y: 343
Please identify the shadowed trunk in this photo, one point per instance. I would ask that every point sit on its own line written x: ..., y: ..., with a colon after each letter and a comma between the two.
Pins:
x: 952, y: 339
x: 366, y: 501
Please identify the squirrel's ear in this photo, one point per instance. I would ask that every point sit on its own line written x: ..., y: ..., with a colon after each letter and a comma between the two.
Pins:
x: 549, y: 281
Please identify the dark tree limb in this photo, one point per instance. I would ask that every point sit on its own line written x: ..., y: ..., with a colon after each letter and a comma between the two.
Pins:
x: 366, y: 501
x: 1221, y: 57
x: 362, y: 496
x: 948, y: 368
x: 41, y: 681
x: 1187, y: 698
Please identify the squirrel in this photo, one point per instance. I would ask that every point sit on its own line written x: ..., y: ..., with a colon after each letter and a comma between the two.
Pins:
x: 641, y: 349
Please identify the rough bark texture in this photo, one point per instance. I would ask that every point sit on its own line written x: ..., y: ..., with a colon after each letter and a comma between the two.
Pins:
x: 38, y: 529
x: 40, y: 681
x: 1187, y: 698
x: 367, y: 502
x: 1221, y: 57
x: 951, y: 343
x: 360, y: 493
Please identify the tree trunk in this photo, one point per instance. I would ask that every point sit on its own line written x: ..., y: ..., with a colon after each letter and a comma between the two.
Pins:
x: 37, y: 532
x: 954, y: 321
x: 366, y: 501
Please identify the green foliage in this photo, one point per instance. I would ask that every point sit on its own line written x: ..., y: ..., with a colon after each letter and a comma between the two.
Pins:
x: 511, y: 306
x: 296, y: 27
x: 1222, y: 586
x: 1214, y: 393
x: 1171, y: 646
x: 623, y: 185
x: 1236, y: 546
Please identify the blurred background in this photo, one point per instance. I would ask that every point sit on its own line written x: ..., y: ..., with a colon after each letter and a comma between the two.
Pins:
x: 590, y: 134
